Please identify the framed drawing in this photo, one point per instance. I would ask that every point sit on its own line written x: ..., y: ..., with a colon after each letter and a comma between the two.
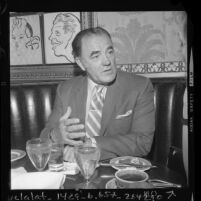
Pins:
x: 59, y: 31
x: 25, y: 40
x: 152, y: 43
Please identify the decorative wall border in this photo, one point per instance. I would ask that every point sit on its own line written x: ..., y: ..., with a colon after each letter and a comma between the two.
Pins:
x: 42, y: 73
x: 156, y: 67
x: 62, y: 72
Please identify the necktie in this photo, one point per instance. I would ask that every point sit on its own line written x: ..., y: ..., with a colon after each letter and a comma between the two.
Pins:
x: 93, y: 123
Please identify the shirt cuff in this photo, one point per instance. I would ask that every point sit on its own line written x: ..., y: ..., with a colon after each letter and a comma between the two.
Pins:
x: 93, y: 141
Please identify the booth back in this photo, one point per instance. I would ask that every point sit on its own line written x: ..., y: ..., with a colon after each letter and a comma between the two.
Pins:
x: 31, y: 104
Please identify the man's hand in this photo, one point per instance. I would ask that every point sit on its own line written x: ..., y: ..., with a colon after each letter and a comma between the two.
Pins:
x: 70, y: 129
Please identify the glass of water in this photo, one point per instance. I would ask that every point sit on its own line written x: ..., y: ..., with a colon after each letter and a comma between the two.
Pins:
x: 39, y: 151
x: 87, y: 158
x: 56, y: 162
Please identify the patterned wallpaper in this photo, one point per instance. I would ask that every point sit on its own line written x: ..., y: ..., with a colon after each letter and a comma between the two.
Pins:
x: 142, y: 38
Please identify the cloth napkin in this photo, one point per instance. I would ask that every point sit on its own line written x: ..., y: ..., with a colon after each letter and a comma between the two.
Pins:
x: 20, y: 179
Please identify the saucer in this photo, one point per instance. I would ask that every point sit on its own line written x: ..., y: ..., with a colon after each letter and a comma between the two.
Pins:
x: 111, y: 184
x: 130, y: 159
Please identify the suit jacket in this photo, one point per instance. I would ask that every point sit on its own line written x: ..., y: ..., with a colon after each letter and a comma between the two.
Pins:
x: 128, y: 116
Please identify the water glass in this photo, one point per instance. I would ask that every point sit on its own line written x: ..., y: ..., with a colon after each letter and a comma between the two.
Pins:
x: 56, y: 162
x: 39, y: 151
x: 87, y: 158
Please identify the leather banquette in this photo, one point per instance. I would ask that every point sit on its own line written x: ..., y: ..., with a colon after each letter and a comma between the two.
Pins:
x: 32, y: 103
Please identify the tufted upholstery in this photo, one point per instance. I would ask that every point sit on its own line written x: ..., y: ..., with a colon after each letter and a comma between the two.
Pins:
x: 31, y: 104
x: 169, y: 110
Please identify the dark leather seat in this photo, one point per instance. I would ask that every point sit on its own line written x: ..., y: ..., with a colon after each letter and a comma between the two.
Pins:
x: 31, y: 104
x: 169, y: 110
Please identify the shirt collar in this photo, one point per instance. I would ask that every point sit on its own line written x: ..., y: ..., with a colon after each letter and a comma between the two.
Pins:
x: 92, y: 84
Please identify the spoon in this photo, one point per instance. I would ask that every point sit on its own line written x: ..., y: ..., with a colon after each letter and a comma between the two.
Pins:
x: 162, y: 184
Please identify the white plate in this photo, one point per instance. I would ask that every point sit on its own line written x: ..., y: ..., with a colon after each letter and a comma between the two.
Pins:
x: 17, y: 154
x: 111, y: 184
x: 130, y: 159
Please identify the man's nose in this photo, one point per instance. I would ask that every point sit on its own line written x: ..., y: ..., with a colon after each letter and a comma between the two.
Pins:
x: 106, y: 60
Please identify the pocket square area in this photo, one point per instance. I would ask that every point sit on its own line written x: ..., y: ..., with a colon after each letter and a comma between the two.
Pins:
x: 124, y: 115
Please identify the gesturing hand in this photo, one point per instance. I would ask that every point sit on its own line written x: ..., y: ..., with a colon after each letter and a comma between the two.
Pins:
x: 70, y: 129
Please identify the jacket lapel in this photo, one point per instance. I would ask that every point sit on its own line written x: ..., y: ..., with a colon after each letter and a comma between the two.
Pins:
x: 109, y: 108
x: 79, y: 100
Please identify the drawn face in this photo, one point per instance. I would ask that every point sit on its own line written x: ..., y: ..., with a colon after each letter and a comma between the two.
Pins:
x: 19, y: 38
x: 98, y: 59
x: 59, y: 39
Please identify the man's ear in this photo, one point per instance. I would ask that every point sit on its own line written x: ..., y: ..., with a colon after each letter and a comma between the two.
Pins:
x: 79, y: 63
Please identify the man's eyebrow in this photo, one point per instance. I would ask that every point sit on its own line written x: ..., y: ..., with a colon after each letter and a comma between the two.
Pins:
x: 94, y: 53
x: 97, y: 52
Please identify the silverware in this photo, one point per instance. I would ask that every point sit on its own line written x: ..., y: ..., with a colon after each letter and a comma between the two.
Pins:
x: 163, y: 184
x: 127, y: 165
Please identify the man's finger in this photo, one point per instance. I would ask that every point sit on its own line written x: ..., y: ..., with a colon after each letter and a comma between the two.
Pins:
x: 75, y: 127
x: 76, y: 135
x: 66, y: 115
x: 70, y: 121
x: 73, y: 142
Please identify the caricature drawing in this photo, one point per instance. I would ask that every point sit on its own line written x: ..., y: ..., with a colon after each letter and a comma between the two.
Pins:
x: 65, y: 27
x: 22, y: 36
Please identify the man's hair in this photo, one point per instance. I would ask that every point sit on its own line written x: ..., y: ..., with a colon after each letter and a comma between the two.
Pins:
x: 76, y: 44
x: 70, y: 21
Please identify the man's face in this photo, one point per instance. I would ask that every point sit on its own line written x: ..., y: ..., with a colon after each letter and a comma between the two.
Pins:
x: 98, y: 59
x: 59, y: 39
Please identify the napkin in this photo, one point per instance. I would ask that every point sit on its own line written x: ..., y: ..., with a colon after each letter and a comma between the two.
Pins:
x: 36, y: 180
x: 71, y: 168
x: 17, y: 171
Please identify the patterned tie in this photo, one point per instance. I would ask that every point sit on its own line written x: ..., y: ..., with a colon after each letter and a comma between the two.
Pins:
x: 93, y: 123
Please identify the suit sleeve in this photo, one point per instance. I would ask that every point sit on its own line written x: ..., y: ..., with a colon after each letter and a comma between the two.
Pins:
x: 53, y: 120
x: 138, y: 141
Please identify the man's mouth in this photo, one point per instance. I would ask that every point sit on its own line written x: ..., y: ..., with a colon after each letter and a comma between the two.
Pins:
x: 55, y: 44
x: 107, y: 70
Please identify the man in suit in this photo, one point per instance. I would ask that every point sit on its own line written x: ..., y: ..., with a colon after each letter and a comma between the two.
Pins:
x: 127, y: 117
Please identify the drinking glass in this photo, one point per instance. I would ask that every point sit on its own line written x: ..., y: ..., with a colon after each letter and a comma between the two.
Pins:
x: 56, y: 162
x: 87, y: 158
x: 39, y: 151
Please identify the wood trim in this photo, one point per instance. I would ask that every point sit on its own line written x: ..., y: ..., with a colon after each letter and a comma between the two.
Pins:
x: 43, y: 73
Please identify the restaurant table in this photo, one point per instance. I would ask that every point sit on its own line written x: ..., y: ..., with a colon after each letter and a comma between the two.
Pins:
x: 103, y: 174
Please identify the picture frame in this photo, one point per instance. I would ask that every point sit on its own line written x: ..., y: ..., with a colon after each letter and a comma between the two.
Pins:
x: 60, y: 29
x: 25, y: 40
